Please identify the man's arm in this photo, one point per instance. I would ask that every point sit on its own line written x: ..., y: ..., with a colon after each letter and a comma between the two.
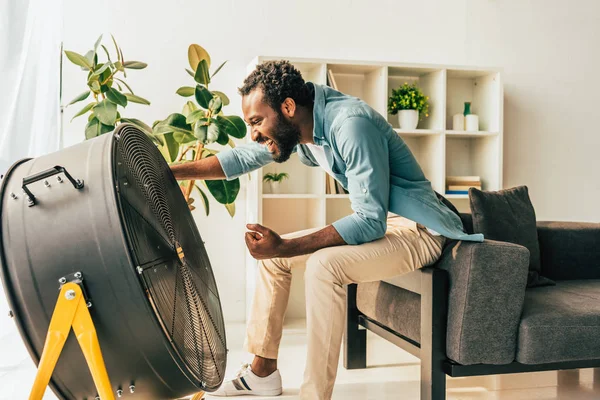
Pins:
x: 208, y: 168
x: 264, y: 243
x: 227, y: 164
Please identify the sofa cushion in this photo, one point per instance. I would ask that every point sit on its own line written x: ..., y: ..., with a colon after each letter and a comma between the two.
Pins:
x: 394, y: 307
x: 508, y: 216
x: 560, y: 323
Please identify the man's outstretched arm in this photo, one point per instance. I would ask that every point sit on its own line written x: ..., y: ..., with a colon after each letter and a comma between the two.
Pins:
x: 208, y: 168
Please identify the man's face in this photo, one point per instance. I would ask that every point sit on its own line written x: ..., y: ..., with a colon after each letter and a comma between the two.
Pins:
x: 269, y: 127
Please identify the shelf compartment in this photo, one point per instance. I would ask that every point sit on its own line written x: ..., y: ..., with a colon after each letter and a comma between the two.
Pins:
x: 428, y: 149
x: 291, y: 215
x: 367, y: 82
x: 482, y: 89
x: 337, y: 208
x: 417, y: 132
x: 433, y: 84
x: 475, y: 156
x: 302, y: 180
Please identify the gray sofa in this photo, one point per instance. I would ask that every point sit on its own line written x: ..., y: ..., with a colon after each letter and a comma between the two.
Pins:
x: 471, y: 313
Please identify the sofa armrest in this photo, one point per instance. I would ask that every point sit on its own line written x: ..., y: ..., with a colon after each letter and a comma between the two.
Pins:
x: 569, y: 250
x: 487, y: 284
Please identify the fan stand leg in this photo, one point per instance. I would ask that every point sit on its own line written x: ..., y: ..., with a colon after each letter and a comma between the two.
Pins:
x: 71, y: 311
x: 197, y: 396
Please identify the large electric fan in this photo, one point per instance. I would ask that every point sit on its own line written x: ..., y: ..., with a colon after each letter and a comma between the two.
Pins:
x: 98, y: 238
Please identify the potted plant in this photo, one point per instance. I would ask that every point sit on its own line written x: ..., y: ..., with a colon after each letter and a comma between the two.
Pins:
x: 185, y: 137
x: 410, y: 104
x: 108, y: 89
x: 274, y: 180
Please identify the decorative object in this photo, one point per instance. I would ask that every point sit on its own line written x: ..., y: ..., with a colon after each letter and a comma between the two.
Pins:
x: 183, y: 137
x: 471, y: 120
x: 458, y: 122
x: 101, y: 81
x: 508, y: 216
x: 274, y: 180
x: 408, y: 98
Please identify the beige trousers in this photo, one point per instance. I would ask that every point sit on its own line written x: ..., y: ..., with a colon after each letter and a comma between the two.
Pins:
x: 405, y: 247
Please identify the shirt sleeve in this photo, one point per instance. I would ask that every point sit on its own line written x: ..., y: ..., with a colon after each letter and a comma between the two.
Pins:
x: 365, y: 152
x: 244, y: 158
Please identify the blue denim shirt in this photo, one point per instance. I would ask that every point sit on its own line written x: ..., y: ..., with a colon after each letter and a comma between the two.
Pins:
x: 371, y: 161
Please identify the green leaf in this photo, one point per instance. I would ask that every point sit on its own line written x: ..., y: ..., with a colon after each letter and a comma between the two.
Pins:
x: 97, y: 44
x: 191, y: 73
x: 136, y: 99
x: 96, y: 128
x: 225, y: 192
x: 135, y: 64
x: 106, y: 112
x: 116, y: 97
x: 223, y: 97
x: 201, y: 132
x: 95, y: 86
x: 201, y: 76
x: 218, y: 135
x: 117, y: 48
x: 90, y: 56
x: 230, y: 209
x: 173, y: 123
x: 186, y: 91
x: 203, y: 96
x: 233, y: 125
x: 81, y: 97
x: 78, y: 59
x: 91, y: 129
x: 215, y: 105
x: 172, y: 146
x: 85, y: 109
x: 195, y: 116
x: 138, y: 124
x: 106, y: 51
x: 204, y: 200
x: 125, y: 83
x: 188, y: 108
x: 183, y: 138
x: 196, y: 53
x: 218, y: 69
x: 101, y: 69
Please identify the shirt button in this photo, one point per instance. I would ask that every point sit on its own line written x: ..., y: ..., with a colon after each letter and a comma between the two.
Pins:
x: 364, y: 190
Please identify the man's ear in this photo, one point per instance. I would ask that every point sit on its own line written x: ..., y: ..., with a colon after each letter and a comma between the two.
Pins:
x: 288, y: 107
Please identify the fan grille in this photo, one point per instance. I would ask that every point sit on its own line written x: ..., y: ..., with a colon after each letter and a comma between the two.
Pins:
x: 182, y: 290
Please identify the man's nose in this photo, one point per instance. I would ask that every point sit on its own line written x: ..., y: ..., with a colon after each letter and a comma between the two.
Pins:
x: 254, y: 135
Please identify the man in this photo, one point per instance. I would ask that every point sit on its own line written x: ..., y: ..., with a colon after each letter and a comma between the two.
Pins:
x: 347, y: 138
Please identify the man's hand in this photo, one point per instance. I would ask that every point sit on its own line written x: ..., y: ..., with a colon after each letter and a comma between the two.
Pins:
x: 263, y: 243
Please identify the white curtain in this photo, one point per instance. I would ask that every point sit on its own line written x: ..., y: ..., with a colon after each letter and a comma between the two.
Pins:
x: 30, y: 37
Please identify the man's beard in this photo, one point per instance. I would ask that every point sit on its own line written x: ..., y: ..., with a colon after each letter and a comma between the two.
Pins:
x: 286, y: 136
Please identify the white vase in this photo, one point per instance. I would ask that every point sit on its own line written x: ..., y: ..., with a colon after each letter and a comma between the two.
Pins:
x: 408, y: 119
x: 275, y: 186
x: 458, y: 122
x: 472, y: 123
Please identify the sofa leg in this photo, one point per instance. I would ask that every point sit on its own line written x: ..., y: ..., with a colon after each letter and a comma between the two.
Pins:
x: 355, y: 339
x: 597, y: 379
x: 434, y: 309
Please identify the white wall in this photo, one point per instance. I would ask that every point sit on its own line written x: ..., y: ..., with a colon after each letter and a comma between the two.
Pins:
x: 548, y: 49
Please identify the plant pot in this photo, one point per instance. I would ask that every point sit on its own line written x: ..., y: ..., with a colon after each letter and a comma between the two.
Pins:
x: 275, y: 187
x: 408, y: 119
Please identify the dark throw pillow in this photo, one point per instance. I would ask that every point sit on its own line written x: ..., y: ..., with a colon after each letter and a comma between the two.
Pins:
x: 507, y: 215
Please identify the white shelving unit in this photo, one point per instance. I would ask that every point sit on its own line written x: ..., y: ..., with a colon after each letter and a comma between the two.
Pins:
x: 303, y: 203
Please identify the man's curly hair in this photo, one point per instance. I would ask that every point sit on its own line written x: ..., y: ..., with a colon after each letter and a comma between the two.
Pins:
x: 278, y: 80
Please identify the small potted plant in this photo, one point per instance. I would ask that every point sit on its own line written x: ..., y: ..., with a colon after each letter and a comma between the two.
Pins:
x: 409, y: 103
x: 274, y: 180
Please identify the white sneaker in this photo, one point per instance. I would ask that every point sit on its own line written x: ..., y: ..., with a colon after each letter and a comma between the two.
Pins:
x: 246, y: 382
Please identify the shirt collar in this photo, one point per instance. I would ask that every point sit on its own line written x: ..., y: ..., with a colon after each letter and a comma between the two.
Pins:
x: 318, y: 114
